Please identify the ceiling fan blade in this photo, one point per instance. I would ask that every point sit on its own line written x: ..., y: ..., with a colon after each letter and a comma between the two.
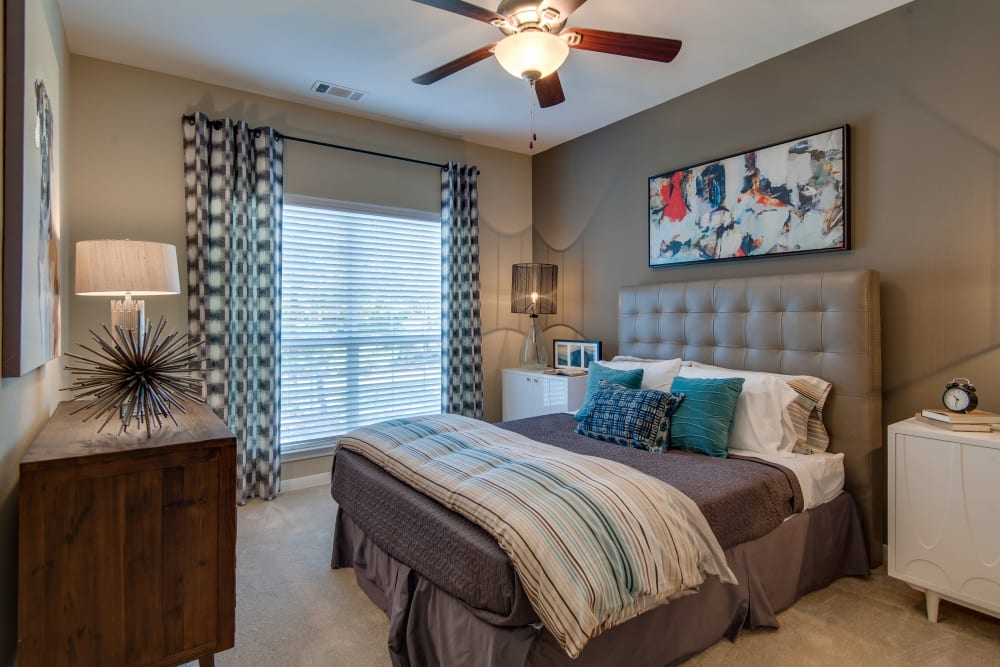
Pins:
x: 549, y: 91
x: 564, y: 7
x: 455, y: 65
x: 624, y: 44
x: 465, y: 9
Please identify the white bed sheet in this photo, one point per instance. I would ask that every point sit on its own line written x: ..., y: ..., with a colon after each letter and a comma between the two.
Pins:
x: 820, y: 475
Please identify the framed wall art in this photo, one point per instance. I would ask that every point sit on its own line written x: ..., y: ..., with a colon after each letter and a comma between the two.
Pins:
x: 575, y: 353
x: 31, y: 280
x: 790, y: 197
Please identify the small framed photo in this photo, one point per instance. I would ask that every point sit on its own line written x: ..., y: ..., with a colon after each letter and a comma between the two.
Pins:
x: 575, y: 353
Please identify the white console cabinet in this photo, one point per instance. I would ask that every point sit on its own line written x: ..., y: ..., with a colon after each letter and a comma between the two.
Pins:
x: 532, y: 393
x: 944, y: 514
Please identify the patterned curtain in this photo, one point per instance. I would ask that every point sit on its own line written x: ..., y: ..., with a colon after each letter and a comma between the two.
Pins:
x: 233, y: 192
x: 461, y: 331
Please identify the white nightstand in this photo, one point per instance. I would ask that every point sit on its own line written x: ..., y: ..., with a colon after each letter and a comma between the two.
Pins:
x: 532, y: 393
x: 944, y: 514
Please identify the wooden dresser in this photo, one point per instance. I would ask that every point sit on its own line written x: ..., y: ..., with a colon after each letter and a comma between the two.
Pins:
x: 127, y: 544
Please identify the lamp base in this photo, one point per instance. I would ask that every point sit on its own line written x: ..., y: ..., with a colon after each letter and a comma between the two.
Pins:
x: 129, y: 314
x: 534, y: 354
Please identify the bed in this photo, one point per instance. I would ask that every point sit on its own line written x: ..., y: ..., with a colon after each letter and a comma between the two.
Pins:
x: 451, y: 593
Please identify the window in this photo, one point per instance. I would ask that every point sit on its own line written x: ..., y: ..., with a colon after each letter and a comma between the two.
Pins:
x: 360, y: 317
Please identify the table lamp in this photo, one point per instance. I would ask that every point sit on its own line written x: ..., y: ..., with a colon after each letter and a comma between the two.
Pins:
x: 533, y: 291
x: 126, y: 268
x: 137, y: 375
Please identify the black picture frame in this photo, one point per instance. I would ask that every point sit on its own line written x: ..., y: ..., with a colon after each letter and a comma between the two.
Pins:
x: 575, y: 353
x: 786, y: 198
x: 31, y: 318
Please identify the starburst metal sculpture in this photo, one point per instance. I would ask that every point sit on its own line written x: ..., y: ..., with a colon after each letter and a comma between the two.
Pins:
x: 141, y: 379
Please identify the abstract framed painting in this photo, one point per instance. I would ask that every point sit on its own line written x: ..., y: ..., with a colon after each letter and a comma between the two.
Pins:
x: 789, y: 197
x: 31, y: 309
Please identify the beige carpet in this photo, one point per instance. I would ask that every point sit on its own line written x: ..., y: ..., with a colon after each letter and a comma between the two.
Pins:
x: 293, y: 610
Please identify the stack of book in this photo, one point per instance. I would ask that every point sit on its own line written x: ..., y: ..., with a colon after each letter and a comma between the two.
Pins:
x: 976, y: 420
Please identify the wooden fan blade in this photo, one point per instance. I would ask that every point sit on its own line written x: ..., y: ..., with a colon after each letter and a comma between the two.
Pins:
x: 549, y: 91
x: 455, y: 65
x: 465, y: 9
x: 659, y: 49
x: 564, y: 7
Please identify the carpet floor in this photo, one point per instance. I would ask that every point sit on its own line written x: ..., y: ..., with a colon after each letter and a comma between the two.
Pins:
x: 292, y: 610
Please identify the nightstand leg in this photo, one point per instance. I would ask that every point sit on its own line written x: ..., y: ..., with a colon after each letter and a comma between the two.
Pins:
x: 209, y: 660
x: 933, y: 599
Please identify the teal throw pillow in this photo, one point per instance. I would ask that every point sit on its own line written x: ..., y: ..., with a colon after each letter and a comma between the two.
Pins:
x: 704, y: 420
x: 597, y: 372
x: 637, y: 418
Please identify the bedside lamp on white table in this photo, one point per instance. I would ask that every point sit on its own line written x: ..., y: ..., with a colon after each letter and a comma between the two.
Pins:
x: 533, y: 292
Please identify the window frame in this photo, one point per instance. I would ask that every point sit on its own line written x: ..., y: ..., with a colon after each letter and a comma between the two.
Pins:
x: 325, y: 446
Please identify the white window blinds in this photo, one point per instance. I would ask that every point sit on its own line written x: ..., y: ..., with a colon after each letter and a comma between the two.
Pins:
x: 360, y: 317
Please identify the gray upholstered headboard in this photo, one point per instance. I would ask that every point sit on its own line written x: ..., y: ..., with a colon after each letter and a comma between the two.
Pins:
x: 821, y: 324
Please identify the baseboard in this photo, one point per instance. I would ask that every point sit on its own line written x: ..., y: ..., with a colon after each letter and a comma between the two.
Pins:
x: 307, y: 482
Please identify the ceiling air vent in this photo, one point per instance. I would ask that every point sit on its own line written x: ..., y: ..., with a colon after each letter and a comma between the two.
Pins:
x: 334, y: 90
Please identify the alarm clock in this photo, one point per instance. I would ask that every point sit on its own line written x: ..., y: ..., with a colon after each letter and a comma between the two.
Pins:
x: 960, y: 396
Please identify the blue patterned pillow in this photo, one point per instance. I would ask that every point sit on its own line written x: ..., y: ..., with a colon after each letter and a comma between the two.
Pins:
x: 597, y: 372
x: 705, y: 420
x: 637, y: 418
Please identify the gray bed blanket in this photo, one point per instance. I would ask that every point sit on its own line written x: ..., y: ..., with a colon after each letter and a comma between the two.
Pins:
x: 742, y: 499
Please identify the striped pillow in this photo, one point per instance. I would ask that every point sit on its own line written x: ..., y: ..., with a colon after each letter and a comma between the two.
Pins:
x: 637, y: 418
x: 807, y: 412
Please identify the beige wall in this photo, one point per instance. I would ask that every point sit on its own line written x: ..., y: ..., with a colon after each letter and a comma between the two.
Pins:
x: 918, y: 87
x: 26, y: 402
x: 127, y: 163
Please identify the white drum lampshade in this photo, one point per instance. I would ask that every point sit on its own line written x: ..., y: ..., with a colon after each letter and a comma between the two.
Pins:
x: 126, y: 268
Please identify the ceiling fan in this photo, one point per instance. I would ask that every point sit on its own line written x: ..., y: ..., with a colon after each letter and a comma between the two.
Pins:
x: 535, y: 43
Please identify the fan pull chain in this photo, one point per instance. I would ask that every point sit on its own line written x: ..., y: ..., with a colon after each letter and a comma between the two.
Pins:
x: 534, y: 137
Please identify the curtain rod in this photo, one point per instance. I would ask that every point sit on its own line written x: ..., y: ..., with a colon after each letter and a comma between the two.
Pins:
x: 361, y: 150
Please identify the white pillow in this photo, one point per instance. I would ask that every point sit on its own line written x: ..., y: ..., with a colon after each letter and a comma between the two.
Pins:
x: 762, y: 421
x: 656, y: 374
x: 806, y: 413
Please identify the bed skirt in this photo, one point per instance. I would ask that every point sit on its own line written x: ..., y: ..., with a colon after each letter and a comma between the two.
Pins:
x: 428, y: 626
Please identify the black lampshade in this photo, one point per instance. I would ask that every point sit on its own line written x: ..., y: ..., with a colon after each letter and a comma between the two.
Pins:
x: 537, y: 279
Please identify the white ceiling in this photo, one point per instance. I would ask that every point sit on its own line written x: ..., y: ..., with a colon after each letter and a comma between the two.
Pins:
x: 280, y: 47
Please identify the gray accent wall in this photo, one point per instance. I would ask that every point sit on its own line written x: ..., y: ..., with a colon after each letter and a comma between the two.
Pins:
x: 919, y: 88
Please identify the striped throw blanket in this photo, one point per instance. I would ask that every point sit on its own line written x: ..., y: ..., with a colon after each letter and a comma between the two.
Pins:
x: 594, y: 542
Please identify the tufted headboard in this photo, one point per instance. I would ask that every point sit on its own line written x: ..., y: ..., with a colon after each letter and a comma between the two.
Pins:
x: 821, y: 324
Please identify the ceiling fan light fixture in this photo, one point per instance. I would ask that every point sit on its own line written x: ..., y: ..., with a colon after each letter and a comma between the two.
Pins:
x: 531, y: 54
